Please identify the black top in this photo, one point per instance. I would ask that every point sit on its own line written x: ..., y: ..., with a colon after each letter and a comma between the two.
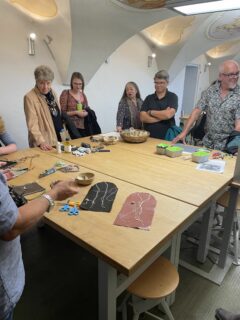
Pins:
x: 152, y: 102
x: 55, y: 113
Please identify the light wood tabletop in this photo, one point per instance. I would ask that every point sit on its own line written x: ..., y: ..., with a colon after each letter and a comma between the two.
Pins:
x: 168, y: 177
x: 123, y: 248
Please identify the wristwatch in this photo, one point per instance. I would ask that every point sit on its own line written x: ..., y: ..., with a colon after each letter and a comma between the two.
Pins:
x: 50, y: 200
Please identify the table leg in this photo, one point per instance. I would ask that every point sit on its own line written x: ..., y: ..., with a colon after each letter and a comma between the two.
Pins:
x: 228, y: 224
x: 205, y: 234
x: 107, y: 284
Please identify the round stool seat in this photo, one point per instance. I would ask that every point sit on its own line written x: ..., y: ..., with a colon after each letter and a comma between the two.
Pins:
x: 224, y: 199
x: 158, y: 281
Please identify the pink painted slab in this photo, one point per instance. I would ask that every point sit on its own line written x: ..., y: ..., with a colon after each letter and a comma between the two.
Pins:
x: 137, y: 211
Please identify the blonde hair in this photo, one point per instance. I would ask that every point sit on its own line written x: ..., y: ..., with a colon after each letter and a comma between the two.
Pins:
x: 2, y: 126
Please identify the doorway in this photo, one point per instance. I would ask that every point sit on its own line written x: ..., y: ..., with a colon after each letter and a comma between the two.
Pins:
x: 190, y: 88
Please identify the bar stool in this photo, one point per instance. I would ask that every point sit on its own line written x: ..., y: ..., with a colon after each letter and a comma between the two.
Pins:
x: 152, y: 287
x: 223, y: 201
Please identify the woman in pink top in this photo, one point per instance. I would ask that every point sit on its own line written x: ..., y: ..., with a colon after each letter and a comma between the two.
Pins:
x: 74, y: 102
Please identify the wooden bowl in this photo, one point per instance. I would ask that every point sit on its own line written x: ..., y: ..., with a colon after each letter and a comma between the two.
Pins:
x: 134, y: 135
x: 85, y: 178
x: 108, y: 140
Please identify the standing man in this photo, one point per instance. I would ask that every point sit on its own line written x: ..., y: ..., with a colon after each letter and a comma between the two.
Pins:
x: 221, y: 101
x: 158, y: 109
x: 13, y: 222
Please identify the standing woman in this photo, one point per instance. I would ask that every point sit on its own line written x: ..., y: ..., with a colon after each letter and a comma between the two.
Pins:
x: 74, y: 102
x: 7, y: 145
x: 128, y: 114
x: 42, y: 112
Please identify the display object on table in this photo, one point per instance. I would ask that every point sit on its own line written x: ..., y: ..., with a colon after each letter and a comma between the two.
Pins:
x: 134, y: 135
x: 100, y: 197
x: 137, y: 211
x: 200, y: 156
x: 85, y: 179
x: 174, y: 152
x: 161, y: 148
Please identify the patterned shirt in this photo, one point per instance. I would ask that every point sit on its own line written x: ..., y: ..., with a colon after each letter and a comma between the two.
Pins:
x: 128, y: 114
x: 69, y: 103
x: 221, y: 115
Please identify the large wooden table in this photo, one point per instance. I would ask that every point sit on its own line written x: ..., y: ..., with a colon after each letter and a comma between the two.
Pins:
x: 123, y: 253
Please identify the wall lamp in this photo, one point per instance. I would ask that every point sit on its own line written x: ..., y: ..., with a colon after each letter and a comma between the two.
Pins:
x: 150, y: 59
x: 31, y: 44
x: 207, y: 65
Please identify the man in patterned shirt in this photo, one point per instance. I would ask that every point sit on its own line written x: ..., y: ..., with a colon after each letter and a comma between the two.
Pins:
x: 221, y: 101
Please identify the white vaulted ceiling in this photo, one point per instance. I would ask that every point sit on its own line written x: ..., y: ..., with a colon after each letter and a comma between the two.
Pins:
x: 85, y: 33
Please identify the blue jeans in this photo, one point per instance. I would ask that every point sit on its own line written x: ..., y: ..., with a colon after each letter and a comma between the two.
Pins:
x: 9, y: 316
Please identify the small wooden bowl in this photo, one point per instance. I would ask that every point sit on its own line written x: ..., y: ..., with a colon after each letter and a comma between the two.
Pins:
x: 108, y: 140
x: 85, y: 178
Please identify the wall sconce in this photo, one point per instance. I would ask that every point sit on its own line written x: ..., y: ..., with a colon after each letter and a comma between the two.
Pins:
x: 150, y: 59
x: 31, y: 44
x: 207, y: 65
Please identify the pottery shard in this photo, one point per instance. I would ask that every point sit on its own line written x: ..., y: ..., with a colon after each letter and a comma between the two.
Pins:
x: 137, y: 211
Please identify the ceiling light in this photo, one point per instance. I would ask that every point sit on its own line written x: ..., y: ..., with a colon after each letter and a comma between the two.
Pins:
x: 213, y: 6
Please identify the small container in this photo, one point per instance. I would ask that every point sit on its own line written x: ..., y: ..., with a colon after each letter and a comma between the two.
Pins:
x: 85, y: 179
x: 161, y: 148
x: 59, y: 147
x: 67, y: 146
x: 174, y: 152
x: 79, y: 106
x: 200, y: 156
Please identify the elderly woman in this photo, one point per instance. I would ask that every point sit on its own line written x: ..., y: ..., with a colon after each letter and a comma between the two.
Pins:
x: 74, y: 102
x: 128, y: 114
x: 42, y: 111
x: 158, y: 109
x: 7, y: 145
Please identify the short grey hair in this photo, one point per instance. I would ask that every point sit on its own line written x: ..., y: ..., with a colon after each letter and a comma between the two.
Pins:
x: 162, y: 74
x: 43, y: 73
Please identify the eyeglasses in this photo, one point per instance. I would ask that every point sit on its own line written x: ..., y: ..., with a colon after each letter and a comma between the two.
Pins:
x: 160, y: 82
x: 77, y: 83
x: 231, y: 75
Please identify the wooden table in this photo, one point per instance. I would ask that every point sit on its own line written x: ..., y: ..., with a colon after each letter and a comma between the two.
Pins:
x: 126, y: 250
x: 181, y: 192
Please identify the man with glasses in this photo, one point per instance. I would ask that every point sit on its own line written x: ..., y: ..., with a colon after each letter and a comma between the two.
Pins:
x: 221, y: 102
x: 158, y: 109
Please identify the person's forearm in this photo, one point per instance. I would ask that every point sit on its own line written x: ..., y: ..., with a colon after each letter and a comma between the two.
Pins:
x: 146, y: 118
x: 28, y: 216
x: 72, y: 113
x: 163, y: 114
x: 192, y: 118
x: 8, y: 149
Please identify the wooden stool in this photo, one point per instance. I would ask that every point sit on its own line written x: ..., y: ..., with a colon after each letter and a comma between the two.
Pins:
x: 152, y: 287
x: 223, y: 201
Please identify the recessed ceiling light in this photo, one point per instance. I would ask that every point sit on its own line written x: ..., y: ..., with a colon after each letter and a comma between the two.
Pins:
x: 207, y: 7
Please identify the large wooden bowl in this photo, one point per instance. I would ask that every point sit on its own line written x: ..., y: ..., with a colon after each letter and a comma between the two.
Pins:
x: 134, y: 136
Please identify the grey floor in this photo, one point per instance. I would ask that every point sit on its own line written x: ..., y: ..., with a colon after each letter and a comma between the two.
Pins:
x: 61, y: 284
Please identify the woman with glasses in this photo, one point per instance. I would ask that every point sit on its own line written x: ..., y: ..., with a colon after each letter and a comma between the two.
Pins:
x: 74, y: 102
x: 128, y: 114
x: 221, y: 103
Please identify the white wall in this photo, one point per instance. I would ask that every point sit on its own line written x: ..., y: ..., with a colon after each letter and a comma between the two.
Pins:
x: 128, y: 63
x: 17, y: 69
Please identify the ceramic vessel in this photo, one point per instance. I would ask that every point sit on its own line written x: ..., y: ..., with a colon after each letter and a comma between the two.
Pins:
x: 84, y: 178
x: 174, y: 152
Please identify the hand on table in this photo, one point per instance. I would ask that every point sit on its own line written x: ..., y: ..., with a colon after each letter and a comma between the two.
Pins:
x: 45, y: 147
